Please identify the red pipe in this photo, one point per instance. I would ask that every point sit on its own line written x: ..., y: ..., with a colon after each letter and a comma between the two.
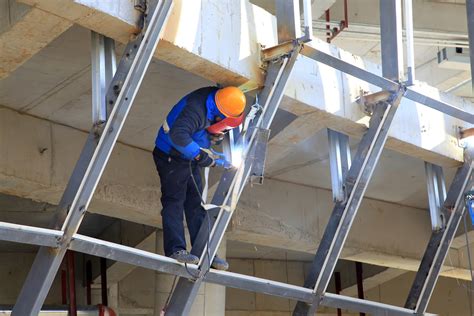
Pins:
x: 63, y: 287
x: 72, y: 283
x: 328, y: 26
x: 330, y: 35
x: 103, y: 281
x: 360, y: 282
x: 337, y: 279
x: 346, y: 14
x: 88, y: 282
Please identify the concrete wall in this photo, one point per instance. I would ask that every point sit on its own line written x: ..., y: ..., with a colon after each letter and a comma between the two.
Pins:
x: 239, y: 302
x: 450, y: 296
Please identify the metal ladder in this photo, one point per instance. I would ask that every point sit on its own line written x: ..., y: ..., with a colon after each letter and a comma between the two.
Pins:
x: 94, y: 156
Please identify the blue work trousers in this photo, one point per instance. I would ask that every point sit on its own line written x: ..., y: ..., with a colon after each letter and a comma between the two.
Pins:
x: 179, y: 193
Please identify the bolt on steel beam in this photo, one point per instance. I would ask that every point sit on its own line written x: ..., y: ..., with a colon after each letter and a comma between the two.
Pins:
x: 440, y: 241
x: 132, y: 68
x: 344, y: 212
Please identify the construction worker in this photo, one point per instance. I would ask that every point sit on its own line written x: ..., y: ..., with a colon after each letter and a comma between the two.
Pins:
x: 182, y: 148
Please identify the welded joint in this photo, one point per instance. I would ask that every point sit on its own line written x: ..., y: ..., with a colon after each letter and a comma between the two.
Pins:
x: 278, y: 52
x: 370, y: 101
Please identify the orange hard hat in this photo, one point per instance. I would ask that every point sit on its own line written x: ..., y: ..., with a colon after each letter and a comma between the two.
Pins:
x: 230, y: 101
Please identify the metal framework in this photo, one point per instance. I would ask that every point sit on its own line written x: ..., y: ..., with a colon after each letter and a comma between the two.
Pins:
x: 349, y: 178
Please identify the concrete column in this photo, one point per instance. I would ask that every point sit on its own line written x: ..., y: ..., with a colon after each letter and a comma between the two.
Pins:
x: 211, y: 298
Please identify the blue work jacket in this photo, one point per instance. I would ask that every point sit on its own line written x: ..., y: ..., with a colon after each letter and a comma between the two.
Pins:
x: 184, y: 131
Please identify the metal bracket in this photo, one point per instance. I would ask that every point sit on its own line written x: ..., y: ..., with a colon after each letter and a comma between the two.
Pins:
x: 258, y: 155
x: 339, y: 162
x: 368, y: 101
x: 436, y: 188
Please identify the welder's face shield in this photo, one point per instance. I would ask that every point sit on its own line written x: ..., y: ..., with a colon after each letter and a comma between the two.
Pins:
x: 224, y: 125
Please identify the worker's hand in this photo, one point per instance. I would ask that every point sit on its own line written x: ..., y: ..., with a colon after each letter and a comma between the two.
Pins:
x: 216, y: 155
x: 204, y: 159
x: 223, y: 163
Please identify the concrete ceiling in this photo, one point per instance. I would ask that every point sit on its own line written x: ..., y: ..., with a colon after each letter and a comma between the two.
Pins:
x: 437, y: 24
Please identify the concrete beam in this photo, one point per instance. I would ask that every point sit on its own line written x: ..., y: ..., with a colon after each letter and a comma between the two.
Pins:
x: 374, y: 281
x: 38, y: 157
x: 226, y: 51
x: 24, y: 31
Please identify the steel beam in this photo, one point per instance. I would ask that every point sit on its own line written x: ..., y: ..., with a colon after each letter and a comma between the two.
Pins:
x: 470, y: 32
x: 339, y: 162
x: 344, y: 212
x: 386, y: 84
x: 439, y: 105
x: 440, y: 241
x: 410, y: 46
x: 231, y: 185
x: 349, y: 69
x: 436, y: 188
x: 152, y: 261
x: 288, y: 20
x: 137, y: 57
x: 29, y: 235
x: 391, y: 35
x: 164, y: 264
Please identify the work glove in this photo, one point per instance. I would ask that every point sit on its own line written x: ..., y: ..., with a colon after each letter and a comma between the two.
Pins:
x: 221, y: 162
x: 204, y: 159
x: 211, y: 158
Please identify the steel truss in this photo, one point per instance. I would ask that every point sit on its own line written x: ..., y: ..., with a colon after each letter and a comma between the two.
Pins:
x: 350, y: 180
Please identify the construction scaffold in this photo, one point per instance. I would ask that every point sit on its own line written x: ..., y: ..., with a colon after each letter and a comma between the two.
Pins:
x: 114, y: 90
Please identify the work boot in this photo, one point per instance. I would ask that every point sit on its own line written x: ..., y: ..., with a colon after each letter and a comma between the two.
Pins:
x: 185, y: 257
x: 220, y: 264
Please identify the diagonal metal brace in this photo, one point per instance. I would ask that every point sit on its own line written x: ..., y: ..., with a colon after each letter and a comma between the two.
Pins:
x: 440, y: 241
x: 232, y: 183
x: 344, y: 212
x: 89, y: 168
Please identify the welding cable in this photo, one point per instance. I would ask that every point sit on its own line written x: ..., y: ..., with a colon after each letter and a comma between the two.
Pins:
x: 208, y: 254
